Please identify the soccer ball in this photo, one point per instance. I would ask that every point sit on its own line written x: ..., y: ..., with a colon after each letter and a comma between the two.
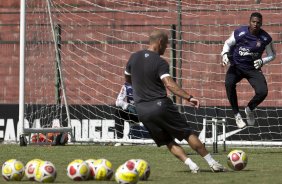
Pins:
x: 90, y: 163
x: 127, y: 173
x: 237, y: 160
x: 102, y: 169
x: 142, y: 167
x: 31, y: 167
x: 78, y: 170
x: 46, y: 172
x: 13, y: 170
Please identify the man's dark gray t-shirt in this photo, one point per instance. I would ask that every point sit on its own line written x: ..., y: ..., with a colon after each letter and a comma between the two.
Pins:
x: 147, y: 69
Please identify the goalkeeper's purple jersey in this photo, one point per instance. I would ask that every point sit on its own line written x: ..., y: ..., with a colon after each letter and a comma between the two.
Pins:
x: 248, y: 47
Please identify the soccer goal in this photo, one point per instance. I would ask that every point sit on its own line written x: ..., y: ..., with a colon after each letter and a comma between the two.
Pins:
x: 75, y: 52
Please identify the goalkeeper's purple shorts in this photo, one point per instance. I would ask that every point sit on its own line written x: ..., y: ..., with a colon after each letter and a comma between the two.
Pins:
x: 163, y: 121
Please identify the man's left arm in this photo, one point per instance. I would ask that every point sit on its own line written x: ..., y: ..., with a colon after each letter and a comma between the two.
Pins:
x: 270, y: 56
x: 270, y: 53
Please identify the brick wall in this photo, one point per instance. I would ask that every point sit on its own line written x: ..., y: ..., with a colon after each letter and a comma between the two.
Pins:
x: 204, y: 31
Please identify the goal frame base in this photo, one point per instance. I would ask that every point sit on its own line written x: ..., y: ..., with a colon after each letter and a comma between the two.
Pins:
x: 27, y: 132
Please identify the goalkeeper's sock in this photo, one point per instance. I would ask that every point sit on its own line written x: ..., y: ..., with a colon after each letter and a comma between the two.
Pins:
x: 209, y: 159
x: 192, y: 165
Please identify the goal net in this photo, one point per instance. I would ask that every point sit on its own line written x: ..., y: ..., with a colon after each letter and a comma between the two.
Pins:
x: 79, y: 48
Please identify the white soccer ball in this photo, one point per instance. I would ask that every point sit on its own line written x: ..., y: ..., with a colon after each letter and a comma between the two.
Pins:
x: 90, y: 163
x: 78, y: 170
x: 103, y: 169
x: 142, y: 167
x: 127, y: 174
x: 31, y: 167
x: 46, y: 172
x: 13, y: 170
x: 237, y: 160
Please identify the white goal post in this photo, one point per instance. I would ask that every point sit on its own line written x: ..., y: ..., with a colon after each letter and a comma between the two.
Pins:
x: 37, y: 126
x: 73, y: 54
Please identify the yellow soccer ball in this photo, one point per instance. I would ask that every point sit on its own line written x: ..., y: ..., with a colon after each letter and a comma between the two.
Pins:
x: 78, y: 170
x: 237, y: 160
x: 103, y: 169
x: 46, y: 172
x: 31, y: 167
x: 142, y: 167
x: 13, y: 170
x: 90, y: 163
x: 127, y: 174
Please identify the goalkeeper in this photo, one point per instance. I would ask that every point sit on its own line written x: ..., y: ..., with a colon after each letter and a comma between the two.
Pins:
x: 243, y: 50
x: 126, y: 110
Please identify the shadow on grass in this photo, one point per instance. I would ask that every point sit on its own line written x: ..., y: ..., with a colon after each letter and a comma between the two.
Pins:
x: 210, y: 171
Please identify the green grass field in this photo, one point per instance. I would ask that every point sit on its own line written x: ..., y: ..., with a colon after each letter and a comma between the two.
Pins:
x: 264, y: 165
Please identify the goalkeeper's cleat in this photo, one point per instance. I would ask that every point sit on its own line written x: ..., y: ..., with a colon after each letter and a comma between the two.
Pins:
x: 239, y: 121
x: 217, y: 167
x: 250, y: 116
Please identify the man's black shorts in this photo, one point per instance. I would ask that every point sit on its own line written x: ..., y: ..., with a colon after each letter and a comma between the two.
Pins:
x: 163, y: 121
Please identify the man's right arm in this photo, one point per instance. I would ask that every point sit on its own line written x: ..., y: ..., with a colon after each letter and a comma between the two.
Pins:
x: 228, y: 44
x: 175, y: 89
x: 226, y: 48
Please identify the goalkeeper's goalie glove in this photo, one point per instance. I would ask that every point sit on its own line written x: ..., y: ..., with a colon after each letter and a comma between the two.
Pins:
x: 225, y: 60
x: 131, y: 109
x: 258, y: 63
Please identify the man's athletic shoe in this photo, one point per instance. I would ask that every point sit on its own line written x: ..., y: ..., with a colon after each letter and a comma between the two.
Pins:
x: 195, y: 170
x: 217, y: 167
x: 250, y: 116
x: 239, y: 121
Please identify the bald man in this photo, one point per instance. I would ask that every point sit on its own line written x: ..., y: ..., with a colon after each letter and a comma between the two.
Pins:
x: 150, y: 77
